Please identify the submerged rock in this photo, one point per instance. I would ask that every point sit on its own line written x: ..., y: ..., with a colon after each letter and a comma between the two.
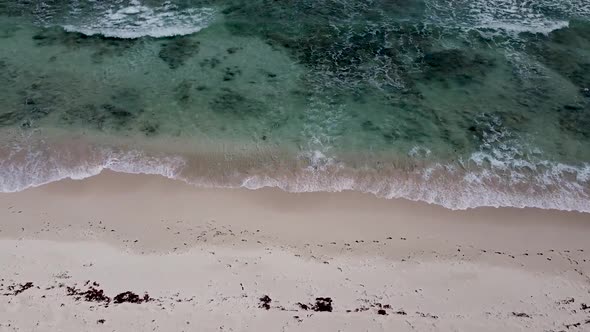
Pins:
x: 150, y: 129
x: 230, y: 73
x: 233, y: 103
x: 456, y: 65
x: 104, y: 117
x: 575, y: 120
x: 561, y: 51
x: 183, y: 92
x: 102, y: 46
x: 233, y: 50
x: 212, y: 63
x: 11, y: 118
x: 487, y: 128
x: 369, y: 126
x: 175, y: 51
x: 37, y: 101
x: 446, y: 61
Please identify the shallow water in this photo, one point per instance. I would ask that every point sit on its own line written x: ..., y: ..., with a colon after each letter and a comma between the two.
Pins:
x: 459, y: 103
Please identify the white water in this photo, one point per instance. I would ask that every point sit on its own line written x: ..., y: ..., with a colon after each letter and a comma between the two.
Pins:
x: 508, y: 16
x: 136, y: 21
x: 485, y: 179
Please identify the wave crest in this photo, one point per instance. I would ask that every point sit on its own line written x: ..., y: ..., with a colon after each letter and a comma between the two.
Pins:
x: 136, y: 21
x: 484, y: 180
x: 508, y: 16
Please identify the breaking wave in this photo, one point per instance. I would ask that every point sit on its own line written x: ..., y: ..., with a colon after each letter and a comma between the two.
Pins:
x: 136, y: 21
x: 28, y: 168
x: 486, y: 178
x: 508, y: 16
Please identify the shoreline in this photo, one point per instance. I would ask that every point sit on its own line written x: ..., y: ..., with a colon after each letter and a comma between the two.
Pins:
x: 139, y: 199
x: 211, y: 259
x: 456, y: 185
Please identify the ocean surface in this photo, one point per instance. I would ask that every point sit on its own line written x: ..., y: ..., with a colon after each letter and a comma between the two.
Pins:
x: 461, y: 103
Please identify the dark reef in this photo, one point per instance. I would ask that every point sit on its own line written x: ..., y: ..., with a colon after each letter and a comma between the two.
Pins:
x: 175, y: 51
x: 233, y: 103
x: 101, y: 46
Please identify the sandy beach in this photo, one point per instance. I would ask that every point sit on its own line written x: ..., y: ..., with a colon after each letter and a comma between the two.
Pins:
x: 122, y: 252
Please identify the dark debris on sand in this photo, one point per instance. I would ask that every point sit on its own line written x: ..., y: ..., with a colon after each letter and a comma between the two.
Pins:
x: 95, y: 294
x: 265, y: 302
x: 427, y: 315
x: 521, y: 314
x: 568, y: 326
x: 323, y: 304
x: 17, y: 289
x: 567, y: 300
x: 130, y: 297
x: 303, y: 306
x: 381, y: 309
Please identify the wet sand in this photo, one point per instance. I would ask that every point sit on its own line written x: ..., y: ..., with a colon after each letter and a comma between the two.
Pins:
x: 136, y: 252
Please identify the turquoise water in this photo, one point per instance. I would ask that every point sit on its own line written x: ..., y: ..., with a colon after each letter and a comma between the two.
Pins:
x: 458, y: 103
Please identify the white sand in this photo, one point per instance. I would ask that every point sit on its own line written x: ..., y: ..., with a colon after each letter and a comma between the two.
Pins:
x: 207, y: 256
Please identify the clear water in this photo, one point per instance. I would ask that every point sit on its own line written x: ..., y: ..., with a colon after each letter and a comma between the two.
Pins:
x: 454, y: 102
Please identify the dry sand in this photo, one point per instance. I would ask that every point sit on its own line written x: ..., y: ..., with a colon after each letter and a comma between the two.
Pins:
x: 266, y: 260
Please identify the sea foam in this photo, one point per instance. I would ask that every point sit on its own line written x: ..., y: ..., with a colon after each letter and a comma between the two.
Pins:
x: 483, y: 179
x: 137, y: 20
x: 31, y: 167
x: 507, y: 16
